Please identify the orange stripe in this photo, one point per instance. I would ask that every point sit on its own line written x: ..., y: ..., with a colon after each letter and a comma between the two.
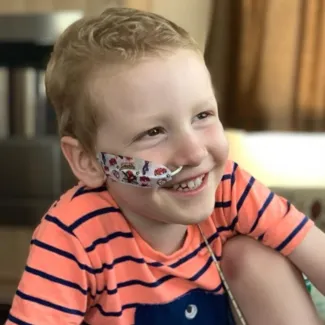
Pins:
x: 53, y: 292
x: 276, y: 223
x: 32, y: 312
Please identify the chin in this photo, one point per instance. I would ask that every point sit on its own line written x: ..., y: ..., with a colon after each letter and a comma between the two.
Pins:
x: 195, y: 220
x: 194, y: 210
x: 191, y: 216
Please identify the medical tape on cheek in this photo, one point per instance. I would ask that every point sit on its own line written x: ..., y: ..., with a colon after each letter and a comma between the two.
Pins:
x: 135, y: 171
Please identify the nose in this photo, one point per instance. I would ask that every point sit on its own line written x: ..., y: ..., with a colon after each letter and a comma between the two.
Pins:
x: 189, y: 151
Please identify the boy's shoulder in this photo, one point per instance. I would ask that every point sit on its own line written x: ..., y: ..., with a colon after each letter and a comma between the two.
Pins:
x: 234, y: 175
x: 86, y: 212
x: 228, y: 177
x: 79, y: 201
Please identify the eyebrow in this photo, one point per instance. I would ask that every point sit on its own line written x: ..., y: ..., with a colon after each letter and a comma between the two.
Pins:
x: 208, y: 101
x: 162, y: 117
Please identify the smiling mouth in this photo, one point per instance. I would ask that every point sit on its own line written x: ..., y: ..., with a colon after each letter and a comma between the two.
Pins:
x: 188, y: 186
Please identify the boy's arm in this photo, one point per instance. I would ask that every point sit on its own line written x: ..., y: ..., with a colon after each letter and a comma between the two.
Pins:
x: 54, y: 288
x: 257, y: 212
x: 309, y: 257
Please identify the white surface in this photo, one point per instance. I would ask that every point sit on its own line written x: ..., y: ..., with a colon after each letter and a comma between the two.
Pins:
x: 281, y: 159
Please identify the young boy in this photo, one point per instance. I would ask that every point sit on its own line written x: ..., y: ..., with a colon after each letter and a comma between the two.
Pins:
x: 139, y: 127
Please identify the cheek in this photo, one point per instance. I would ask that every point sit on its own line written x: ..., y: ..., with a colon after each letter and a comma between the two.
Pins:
x: 217, y: 142
x: 128, y: 196
x: 156, y: 154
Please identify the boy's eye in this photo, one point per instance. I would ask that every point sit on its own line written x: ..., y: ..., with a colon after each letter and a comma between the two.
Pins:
x: 203, y: 115
x: 150, y: 133
x: 153, y: 132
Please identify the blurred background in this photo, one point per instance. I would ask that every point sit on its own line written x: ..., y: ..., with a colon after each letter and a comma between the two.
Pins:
x: 267, y: 61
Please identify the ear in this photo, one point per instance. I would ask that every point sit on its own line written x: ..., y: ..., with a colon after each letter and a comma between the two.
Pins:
x: 83, y: 165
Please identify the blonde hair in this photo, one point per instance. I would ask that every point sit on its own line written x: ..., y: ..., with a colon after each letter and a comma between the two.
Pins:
x: 117, y: 35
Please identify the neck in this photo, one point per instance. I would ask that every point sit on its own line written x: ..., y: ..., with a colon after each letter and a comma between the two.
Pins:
x: 162, y: 237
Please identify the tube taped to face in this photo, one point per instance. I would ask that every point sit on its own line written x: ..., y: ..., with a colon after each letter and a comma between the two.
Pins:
x: 135, y: 171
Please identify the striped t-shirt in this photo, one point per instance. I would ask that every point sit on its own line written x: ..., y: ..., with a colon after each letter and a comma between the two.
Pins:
x: 88, y: 266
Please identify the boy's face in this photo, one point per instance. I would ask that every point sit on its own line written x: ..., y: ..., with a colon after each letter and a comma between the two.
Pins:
x: 164, y: 110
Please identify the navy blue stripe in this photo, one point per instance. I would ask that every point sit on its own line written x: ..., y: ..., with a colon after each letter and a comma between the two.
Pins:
x: 226, y: 177
x: 261, y: 237
x: 84, y: 266
x: 194, y: 253
x: 130, y: 283
x: 17, y: 321
x: 222, y: 204
x: 210, y: 239
x: 262, y: 210
x: 293, y: 234
x: 217, y: 289
x: 115, y: 313
x: 233, y: 178
x: 135, y: 305
x: 203, y: 270
x: 129, y: 258
x: 159, y: 281
x: 245, y: 193
x: 59, y: 223
x: 158, y: 264
x: 55, y: 279
x: 229, y: 227
x: 84, y: 190
x: 106, y: 239
x: 122, y: 284
x: 155, y: 284
x: 63, y: 254
x: 288, y: 206
x: 49, y: 304
x: 91, y: 215
x: 108, y: 291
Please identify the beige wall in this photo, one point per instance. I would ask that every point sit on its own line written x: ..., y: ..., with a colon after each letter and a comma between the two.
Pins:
x: 193, y: 15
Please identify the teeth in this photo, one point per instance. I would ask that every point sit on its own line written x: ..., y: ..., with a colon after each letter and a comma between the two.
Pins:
x: 190, y: 185
x: 183, y: 189
x: 198, y: 182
